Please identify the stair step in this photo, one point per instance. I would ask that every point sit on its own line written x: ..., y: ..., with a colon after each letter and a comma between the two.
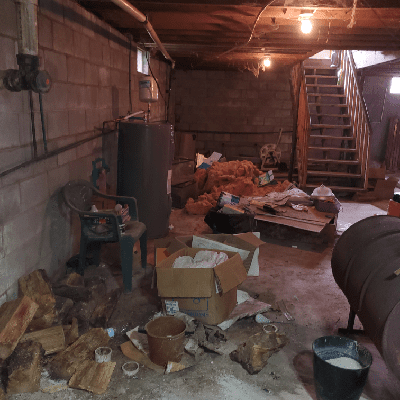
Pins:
x: 332, y: 149
x: 338, y: 188
x: 327, y: 137
x: 331, y: 115
x: 330, y: 161
x: 327, y: 105
x: 321, y: 76
x: 323, y: 86
x: 333, y: 174
x: 328, y: 126
x: 325, y: 94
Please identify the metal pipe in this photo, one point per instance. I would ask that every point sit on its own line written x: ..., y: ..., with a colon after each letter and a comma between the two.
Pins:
x: 27, y: 26
x: 130, y: 9
x: 42, y: 120
x: 33, y: 130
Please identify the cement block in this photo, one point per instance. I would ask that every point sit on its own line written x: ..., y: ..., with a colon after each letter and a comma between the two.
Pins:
x: 92, y: 119
x: 58, y: 178
x: 56, y: 65
x: 282, y: 95
x: 9, y: 130
x: 66, y: 156
x: 10, y: 203
x: 116, y: 58
x: 95, y: 52
x: 43, y: 166
x: 91, y: 97
x: 8, y: 51
x: 81, y: 45
x: 63, y: 38
x: 34, y: 191
x: 57, y: 124
x: 53, y: 9
x: 104, y: 76
x: 76, y: 70
x: 73, y: 16
x: 45, y: 32
x: 8, y: 19
x: 256, y: 120
x: 91, y: 74
x: 105, y: 97
x: 11, y: 102
x: 56, y: 98
x: 76, y: 121
x: 81, y: 169
x: 76, y: 95
x: 106, y: 56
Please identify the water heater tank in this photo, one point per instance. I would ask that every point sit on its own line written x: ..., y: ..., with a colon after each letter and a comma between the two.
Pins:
x: 148, y: 92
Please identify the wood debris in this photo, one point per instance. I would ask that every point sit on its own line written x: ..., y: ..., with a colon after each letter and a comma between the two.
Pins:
x: 92, y: 376
x: 71, y: 332
x: 65, y: 363
x: 52, y: 339
x: 134, y: 354
x: 37, y: 286
x: 105, y: 308
x: 15, y: 316
x: 24, y: 368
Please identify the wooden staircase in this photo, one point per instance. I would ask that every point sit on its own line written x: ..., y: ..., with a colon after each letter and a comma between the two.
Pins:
x: 334, y: 153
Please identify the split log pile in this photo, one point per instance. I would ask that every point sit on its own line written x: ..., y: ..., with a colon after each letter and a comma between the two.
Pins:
x: 234, y: 177
x: 41, y: 327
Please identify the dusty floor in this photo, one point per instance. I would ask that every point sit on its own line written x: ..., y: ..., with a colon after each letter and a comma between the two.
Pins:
x: 299, y: 275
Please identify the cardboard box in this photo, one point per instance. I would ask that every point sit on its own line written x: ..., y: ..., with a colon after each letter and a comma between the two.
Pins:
x: 394, y: 208
x: 208, y: 294
x: 384, y: 188
x: 247, y: 244
x: 377, y: 173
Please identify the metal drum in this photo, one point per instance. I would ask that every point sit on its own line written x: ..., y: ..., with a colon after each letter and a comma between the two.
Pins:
x: 363, y: 264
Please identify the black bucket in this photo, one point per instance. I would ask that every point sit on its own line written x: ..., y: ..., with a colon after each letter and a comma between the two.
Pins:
x: 342, y: 381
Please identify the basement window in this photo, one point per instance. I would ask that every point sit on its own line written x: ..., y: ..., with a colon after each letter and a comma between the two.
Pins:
x: 395, y: 86
x: 143, y: 61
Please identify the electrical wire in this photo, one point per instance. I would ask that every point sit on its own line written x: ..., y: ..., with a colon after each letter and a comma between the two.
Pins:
x: 353, y: 14
x: 35, y: 153
x: 159, y: 89
x: 252, y: 31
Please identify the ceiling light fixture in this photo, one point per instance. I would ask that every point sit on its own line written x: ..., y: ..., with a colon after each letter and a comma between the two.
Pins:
x: 305, y: 20
x: 267, y: 62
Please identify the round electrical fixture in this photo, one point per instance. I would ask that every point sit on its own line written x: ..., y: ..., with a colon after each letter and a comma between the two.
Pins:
x: 267, y: 62
x: 306, y: 26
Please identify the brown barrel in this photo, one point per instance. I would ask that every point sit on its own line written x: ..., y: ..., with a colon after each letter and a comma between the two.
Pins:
x: 363, y: 263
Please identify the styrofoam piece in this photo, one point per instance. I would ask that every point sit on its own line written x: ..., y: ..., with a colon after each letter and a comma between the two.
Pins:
x: 102, y: 354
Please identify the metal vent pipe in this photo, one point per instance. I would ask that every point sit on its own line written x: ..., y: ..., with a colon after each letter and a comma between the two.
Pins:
x: 130, y: 9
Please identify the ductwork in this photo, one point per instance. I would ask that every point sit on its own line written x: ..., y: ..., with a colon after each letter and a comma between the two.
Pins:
x: 130, y: 9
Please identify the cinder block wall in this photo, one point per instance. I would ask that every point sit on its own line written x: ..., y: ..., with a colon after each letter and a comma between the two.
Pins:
x: 235, y: 112
x: 89, y: 65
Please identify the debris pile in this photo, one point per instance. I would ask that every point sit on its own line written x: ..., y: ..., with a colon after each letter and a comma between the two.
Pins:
x: 235, y: 177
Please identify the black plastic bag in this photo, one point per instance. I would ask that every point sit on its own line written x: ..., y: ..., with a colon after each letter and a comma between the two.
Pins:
x: 229, y: 223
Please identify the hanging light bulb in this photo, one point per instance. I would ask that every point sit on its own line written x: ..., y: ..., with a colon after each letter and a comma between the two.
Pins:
x: 306, y: 26
x: 267, y: 62
x: 305, y: 21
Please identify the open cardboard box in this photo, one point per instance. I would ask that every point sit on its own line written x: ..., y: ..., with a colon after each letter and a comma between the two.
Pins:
x: 208, y: 294
x: 247, y: 244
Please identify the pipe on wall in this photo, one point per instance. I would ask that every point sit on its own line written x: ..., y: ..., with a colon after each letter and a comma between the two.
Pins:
x: 130, y: 9
x: 27, y: 26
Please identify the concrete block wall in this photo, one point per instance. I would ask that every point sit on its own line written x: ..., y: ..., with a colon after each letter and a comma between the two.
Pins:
x: 235, y: 112
x: 89, y: 65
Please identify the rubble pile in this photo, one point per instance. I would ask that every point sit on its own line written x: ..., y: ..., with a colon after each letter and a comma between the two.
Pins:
x: 235, y: 177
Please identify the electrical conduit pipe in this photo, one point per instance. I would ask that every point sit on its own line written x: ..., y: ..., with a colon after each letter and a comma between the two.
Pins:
x: 130, y: 9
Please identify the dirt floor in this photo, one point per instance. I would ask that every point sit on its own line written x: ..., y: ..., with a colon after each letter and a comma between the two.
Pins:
x: 300, y: 274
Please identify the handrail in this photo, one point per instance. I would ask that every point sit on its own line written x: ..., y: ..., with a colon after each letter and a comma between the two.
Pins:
x: 353, y: 69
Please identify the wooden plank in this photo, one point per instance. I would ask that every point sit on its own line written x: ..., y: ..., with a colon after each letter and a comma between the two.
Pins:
x: 330, y: 126
x: 52, y: 339
x: 331, y: 161
x: 333, y: 174
x: 135, y: 354
x: 105, y: 308
x: 65, y: 363
x: 92, y: 376
x: 330, y: 137
x: 15, y: 316
x: 325, y: 95
x: 24, y: 368
x: 71, y: 332
x: 332, y: 149
x: 339, y: 188
x: 318, y: 104
x: 37, y: 286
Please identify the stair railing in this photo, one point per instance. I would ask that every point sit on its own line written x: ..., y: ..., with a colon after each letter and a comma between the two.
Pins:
x: 358, y: 112
x: 303, y: 131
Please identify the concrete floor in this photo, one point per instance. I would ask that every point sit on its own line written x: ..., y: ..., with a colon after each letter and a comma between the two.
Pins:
x: 299, y: 275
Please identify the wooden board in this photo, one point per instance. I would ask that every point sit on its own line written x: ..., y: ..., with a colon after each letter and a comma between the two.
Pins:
x: 65, y: 363
x: 71, y: 332
x: 15, y: 317
x: 25, y: 368
x: 37, y: 286
x: 92, y: 376
x: 52, y: 339
x: 134, y: 354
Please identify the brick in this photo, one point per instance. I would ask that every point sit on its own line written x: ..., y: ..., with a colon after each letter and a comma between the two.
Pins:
x: 76, y: 70
x: 57, y: 124
x: 76, y: 121
x: 63, y: 38
x: 10, y: 202
x: 34, y: 191
x: 8, y: 19
x: 66, y: 156
x: 81, y: 45
x: 45, y: 32
x: 8, y: 50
